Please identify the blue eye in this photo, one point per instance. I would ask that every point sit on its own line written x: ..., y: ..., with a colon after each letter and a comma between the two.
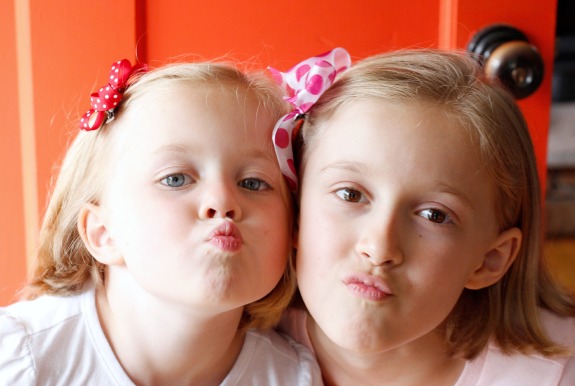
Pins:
x: 350, y: 195
x: 253, y: 184
x: 435, y: 215
x: 176, y: 180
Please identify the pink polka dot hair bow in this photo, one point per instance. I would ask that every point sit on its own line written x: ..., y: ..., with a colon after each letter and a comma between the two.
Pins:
x: 304, y: 84
x: 107, y: 98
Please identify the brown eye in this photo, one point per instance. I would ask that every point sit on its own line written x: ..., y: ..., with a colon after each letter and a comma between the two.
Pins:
x: 350, y: 195
x: 435, y: 215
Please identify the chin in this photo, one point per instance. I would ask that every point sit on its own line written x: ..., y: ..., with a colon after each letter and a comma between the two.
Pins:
x: 359, y: 336
x: 224, y: 285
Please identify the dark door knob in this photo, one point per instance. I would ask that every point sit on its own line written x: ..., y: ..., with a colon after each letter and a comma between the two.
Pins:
x: 506, y: 55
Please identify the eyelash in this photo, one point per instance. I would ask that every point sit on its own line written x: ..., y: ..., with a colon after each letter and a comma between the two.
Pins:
x: 262, y: 185
x: 350, y: 195
x: 435, y: 216
x: 186, y: 179
x: 182, y: 179
x: 355, y: 196
x: 445, y: 219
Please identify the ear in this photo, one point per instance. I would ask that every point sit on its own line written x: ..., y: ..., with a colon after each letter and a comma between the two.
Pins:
x: 96, y: 236
x: 497, y: 260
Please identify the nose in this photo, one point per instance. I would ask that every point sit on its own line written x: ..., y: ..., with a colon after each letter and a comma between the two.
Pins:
x: 379, y: 243
x: 220, y: 201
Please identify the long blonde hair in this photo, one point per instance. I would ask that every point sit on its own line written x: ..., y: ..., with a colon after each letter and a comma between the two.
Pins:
x: 63, y: 264
x: 507, y: 311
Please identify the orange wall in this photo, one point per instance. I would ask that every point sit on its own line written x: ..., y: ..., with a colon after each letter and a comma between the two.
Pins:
x: 281, y: 33
x: 63, y: 49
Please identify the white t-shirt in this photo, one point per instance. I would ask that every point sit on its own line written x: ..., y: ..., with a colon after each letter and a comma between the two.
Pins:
x: 56, y: 340
x: 492, y: 367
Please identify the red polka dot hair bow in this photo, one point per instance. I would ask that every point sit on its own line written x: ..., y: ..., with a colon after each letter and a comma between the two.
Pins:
x: 107, y: 98
x: 304, y: 84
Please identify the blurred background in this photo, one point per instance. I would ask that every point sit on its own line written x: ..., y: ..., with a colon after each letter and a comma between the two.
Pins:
x: 560, y: 192
x: 54, y: 53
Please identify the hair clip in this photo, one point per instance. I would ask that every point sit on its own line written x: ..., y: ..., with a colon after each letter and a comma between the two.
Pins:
x: 107, y: 98
x: 304, y: 84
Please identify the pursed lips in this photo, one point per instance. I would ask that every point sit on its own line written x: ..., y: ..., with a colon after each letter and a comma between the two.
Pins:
x: 367, y: 286
x: 226, y: 237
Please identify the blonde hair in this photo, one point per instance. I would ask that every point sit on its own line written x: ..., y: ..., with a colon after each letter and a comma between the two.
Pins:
x: 452, y: 81
x: 63, y: 263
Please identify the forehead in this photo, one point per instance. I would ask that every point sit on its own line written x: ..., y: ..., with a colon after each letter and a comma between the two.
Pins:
x: 408, y: 143
x: 411, y: 122
x: 201, y: 121
x: 196, y: 104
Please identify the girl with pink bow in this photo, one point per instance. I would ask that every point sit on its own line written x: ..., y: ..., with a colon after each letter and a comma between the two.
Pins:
x: 419, y: 238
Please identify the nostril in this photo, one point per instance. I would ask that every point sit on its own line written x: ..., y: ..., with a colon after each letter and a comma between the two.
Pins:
x: 213, y: 213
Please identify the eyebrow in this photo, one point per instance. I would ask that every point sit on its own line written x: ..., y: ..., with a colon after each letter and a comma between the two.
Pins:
x: 465, y: 200
x: 173, y: 148
x: 268, y: 155
x: 184, y: 149
x: 349, y: 166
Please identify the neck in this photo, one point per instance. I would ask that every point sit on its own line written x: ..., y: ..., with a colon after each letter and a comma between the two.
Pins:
x: 161, y: 344
x: 423, y: 362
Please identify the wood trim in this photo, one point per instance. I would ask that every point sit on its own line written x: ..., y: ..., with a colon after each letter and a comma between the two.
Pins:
x: 27, y: 126
x: 447, y: 29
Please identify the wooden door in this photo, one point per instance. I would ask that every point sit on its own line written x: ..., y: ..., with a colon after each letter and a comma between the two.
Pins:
x: 56, y: 52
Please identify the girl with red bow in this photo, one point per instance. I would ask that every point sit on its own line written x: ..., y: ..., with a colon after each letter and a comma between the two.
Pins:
x: 164, y: 252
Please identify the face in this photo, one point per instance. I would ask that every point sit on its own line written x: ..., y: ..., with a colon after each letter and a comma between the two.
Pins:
x: 396, y: 217
x: 193, y: 201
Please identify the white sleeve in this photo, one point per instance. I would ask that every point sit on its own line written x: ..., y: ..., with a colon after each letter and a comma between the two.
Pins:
x: 16, y: 363
x: 270, y: 359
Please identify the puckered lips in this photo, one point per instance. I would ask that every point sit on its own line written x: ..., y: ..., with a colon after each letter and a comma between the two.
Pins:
x: 367, y: 286
x: 226, y: 237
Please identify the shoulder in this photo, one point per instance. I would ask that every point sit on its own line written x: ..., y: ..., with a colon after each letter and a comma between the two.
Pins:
x: 494, y: 366
x: 560, y: 329
x: 57, y: 339
x: 279, y: 345
x: 41, y: 318
x: 16, y: 364
x: 28, y: 329
x: 269, y: 358
x: 44, y: 312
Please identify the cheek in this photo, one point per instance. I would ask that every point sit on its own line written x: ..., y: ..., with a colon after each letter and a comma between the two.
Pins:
x: 440, y: 274
x: 280, y: 217
x: 316, y: 258
x: 276, y: 230
x: 323, y: 236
